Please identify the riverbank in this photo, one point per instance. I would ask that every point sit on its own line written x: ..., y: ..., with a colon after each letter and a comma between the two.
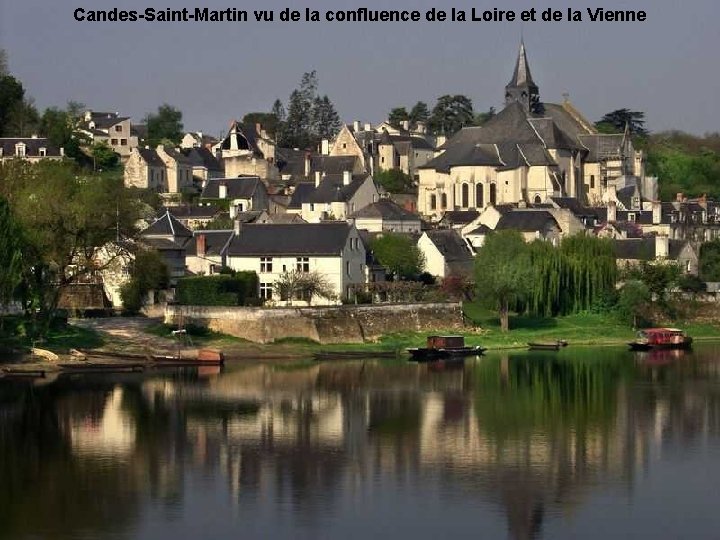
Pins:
x: 138, y: 335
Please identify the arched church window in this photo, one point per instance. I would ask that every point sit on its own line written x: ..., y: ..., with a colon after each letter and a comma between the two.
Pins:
x: 493, y: 194
x: 479, y: 195
x: 538, y: 200
x: 443, y: 200
x: 433, y: 202
x: 465, y: 196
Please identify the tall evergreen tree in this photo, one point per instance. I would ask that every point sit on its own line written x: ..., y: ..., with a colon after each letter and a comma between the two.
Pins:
x: 615, y: 122
x: 451, y: 113
x: 419, y: 113
x: 12, y: 95
x: 397, y: 116
x: 326, y: 121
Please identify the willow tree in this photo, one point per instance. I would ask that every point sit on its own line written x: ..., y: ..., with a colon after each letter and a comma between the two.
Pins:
x: 11, y: 253
x: 503, y: 272
x: 571, y: 278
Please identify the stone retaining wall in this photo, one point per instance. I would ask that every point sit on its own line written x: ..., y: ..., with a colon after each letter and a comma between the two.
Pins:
x: 336, y: 324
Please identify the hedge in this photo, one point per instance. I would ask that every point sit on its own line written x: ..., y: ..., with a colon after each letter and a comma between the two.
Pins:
x: 239, y: 289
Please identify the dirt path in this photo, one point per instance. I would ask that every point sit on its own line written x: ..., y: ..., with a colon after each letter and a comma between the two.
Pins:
x: 128, y: 334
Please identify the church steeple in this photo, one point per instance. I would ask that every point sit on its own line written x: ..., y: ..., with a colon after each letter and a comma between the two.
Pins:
x: 522, y: 88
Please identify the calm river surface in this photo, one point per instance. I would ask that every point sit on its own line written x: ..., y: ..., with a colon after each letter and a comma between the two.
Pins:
x: 585, y: 443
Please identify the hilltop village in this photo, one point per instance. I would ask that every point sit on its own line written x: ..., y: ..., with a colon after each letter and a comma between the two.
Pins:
x: 315, y: 226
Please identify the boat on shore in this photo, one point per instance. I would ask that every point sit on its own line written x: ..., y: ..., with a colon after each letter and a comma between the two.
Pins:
x: 547, y: 345
x: 444, y: 347
x: 661, y: 338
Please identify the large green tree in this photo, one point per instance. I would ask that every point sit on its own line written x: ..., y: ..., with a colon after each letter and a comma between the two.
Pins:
x: 710, y: 260
x: 503, y: 272
x: 394, y: 181
x: 397, y: 116
x: 12, y: 95
x: 398, y: 254
x: 310, y: 117
x: 451, y: 113
x: 11, y: 253
x: 615, y: 122
x: 419, y: 113
x: 164, y: 125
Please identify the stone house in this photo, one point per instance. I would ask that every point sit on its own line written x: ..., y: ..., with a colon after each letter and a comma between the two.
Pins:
x: 446, y: 253
x: 112, y: 129
x: 334, y: 250
x: 170, y: 238
x: 197, y: 139
x: 335, y: 196
x: 178, y: 169
x: 144, y: 169
x: 31, y: 149
x: 248, y: 150
x: 206, y: 252
x: 385, y: 215
x: 204, y: 164
x: 630, y: 251
x: 195, y: 217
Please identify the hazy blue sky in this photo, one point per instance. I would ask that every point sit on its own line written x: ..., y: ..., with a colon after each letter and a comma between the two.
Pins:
x: 214, y: 72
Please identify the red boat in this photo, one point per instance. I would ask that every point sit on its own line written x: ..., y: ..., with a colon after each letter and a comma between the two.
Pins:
x: 661, y: 338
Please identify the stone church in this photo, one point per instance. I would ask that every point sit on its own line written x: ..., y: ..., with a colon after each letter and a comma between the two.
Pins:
x: 528, y: 152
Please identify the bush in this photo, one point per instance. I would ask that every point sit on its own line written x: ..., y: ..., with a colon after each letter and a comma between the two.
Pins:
x: 219, y: 290
x: 132, y: 297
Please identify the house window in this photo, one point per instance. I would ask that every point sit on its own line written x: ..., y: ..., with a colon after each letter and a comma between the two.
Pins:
x: 433, y: 202
x: 465, y: 195
x: 265, y: 265
x: 592, y: 181
x: 631, y: 217
x: 443, y: 200
x: 347, y: 267
x: 636, y: 202
x: 42, y: 152
x: 302, y: 294
x: 266, y: 291
x: 344, y: 146
x: 113, y: 142
x: 123, y: 142
x: 302, y: 264
x: 118, y: 128
x: 20, y: 150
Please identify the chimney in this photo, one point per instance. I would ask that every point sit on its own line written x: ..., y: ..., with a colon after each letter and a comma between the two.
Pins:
x: 325, y: 147
x: 317, y: 178
x: 421, y: 127
x: 611, y: 211
x: 367, y: 127
x: 307, y: 163
x: 656, y: 212
x: 34, y: 136
x: 662, y: 247
x: 222, y: 190
x: 200, y: 245
x: 62, y: 151
x: 237, y: 227
x: 356, y: 126
x: 347, y: 177
x: 406, y: 125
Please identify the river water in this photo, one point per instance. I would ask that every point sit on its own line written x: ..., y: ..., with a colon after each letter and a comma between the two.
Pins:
x: 585, y: 443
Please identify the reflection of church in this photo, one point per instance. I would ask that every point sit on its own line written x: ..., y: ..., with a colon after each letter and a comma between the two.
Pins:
x: 526, y: 153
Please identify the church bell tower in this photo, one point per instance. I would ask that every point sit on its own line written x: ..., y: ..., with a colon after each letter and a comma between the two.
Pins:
x: 522, y: 89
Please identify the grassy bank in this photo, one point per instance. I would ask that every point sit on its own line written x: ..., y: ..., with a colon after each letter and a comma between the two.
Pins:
x: 59, y: 340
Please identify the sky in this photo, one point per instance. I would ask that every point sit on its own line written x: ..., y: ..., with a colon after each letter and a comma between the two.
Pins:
x: 666, y: 66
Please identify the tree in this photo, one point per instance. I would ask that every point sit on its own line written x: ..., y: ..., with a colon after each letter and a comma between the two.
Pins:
x: 325, y: 119
x: 104, y: 157
x: 710, y: 260
x: 278, y: 111
x: 483, y: 117
x: 615, y: 122
x: 451, y: 113
x: 67, y: 218
x: 303, y: 286
x: 634, y: 301
x: 23, y: 119
x: 11, y: 253
x: 397, y: 116
x: 62, y: 128
x: 659, y: 277
x: 503, y: 272
x: 12, y: 95
x: 3, y: 63
x: 419, y: 113
x: 394, y: 181
x: 165, y: 125
x: 268, y: 121
x: 398, y: 254
x: 149, y: 272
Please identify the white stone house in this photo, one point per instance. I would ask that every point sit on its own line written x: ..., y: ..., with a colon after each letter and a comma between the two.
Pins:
x: 446, y: 253
x: 144, y: 169
x: 32, y: 149
x: 244, y: 194
x: 337, y: 196
x: 334, y: 250
x: 112, y: 129
x: 385, y: 215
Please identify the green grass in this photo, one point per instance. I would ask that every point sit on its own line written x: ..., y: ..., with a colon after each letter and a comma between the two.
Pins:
x: 59, y: 340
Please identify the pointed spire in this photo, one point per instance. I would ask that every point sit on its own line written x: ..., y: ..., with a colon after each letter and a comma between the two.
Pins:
x: 522, y: 76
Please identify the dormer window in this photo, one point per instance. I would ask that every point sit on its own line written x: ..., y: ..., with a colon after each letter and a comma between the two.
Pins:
x: 20, y: 149
x: 631, y: 217
x: 42, y: 152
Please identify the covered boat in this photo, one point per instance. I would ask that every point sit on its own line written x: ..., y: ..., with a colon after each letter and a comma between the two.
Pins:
x: 439, y: 347
x: 661, y: 338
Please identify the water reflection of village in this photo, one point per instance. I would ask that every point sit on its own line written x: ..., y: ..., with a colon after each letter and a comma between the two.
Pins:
x: 531, y: 436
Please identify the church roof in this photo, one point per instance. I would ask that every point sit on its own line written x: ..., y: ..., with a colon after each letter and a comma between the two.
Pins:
x: 521, y: 75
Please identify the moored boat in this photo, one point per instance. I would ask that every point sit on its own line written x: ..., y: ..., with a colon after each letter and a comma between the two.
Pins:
x: 443, y: 347
x: 661, y: 338
x: 546, y: 345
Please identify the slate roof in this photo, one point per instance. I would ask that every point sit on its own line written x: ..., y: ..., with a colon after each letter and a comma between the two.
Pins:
x: 405, y: 142
x: 162, y: 244
x: 167, y: 225
x: 176, y: 155
x: 332, y: 189
x: 625, y: 196
x: 215, y: 242
x: 194, y: 212
x: 106, y: 120
x: 525, y: 220
x: 290, y: 161
x: 459, y: 217
x: 242, y: 187
x: 640, y: 249
x: 602, y: 146
x: 482, y: 229
x: 202, y: 157
x: 32, y: 146
x: 385, y: 209
x: 302, y: 193
x: 332, y: 164
x: 521, y: 75
x: 151, y: 157
x: 574, y: 205
x: 299, y: 239
x: 246, y: 138
x: 450, y: 244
